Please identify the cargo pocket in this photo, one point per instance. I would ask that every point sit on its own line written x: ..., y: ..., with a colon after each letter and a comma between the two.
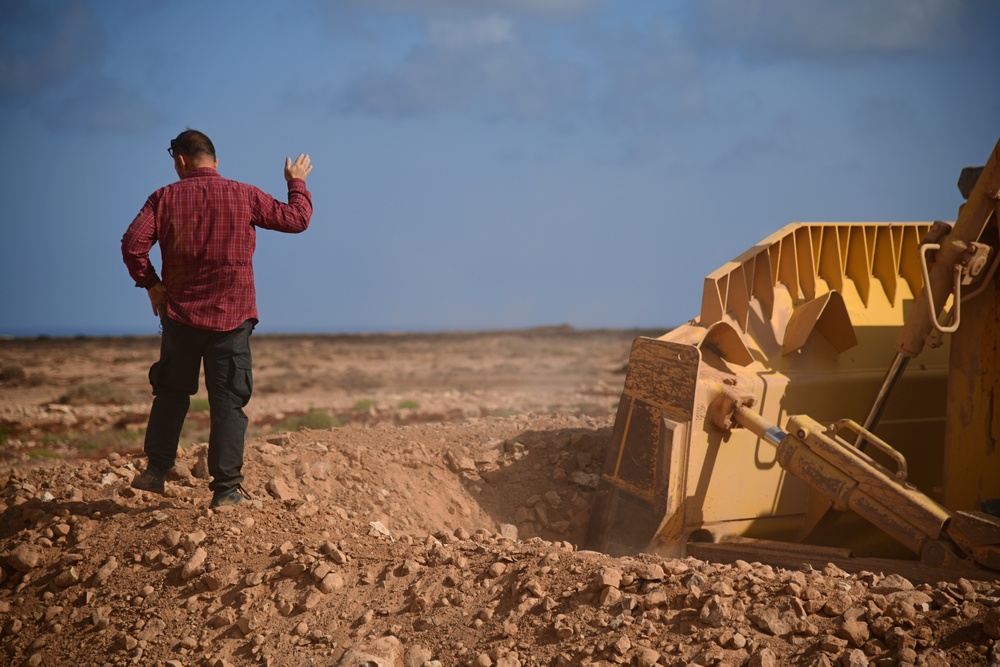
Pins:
x: 154, y: 376
x: 242, y: 379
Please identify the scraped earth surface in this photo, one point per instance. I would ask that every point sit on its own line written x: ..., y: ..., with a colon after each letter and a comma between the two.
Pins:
x: 423, y: 501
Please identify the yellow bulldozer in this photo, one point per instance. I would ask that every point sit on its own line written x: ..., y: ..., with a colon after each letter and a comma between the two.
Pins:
x: 837, y: 400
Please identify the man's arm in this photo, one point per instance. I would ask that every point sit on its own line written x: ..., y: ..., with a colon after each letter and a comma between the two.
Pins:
x: 293, y: 217
x: 136, y: 243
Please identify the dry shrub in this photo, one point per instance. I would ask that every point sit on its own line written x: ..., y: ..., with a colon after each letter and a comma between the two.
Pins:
x: 354, y: 379
x: 12, y: 373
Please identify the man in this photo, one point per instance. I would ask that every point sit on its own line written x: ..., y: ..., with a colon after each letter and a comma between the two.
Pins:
x: 206, y: 302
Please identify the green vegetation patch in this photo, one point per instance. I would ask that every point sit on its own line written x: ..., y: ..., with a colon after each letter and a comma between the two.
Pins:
x: 364, y: 405
x: 314, y: 419
x: 43, y: 454
x: 100, y: 393
x: 199, y: 404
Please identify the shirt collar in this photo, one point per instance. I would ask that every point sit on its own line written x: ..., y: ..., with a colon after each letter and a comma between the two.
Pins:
x: 202, y: 172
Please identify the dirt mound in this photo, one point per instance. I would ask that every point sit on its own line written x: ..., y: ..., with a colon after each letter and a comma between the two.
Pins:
x: 451, y: 544
x: 438, y: 517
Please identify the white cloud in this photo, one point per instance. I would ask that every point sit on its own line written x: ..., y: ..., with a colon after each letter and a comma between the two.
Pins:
x: 454, y: 33
x: 547, y: 6
x: 469, y: 65
x: 649, y: 78
x: 537, y: 7
x: 838, y: 28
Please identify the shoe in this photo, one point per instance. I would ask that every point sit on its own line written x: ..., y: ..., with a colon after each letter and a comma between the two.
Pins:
x: 149, y: 480
x: 230, y: 497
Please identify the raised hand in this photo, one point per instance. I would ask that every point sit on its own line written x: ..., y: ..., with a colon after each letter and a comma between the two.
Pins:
x: 298, y: 169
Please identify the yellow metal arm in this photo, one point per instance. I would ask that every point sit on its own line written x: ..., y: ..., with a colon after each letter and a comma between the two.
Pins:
x: 850, y: 478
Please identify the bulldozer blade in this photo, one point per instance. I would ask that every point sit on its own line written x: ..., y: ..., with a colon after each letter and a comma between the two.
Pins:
x: 793, y: 556
x: 638, y: 494
x: 977, y: 533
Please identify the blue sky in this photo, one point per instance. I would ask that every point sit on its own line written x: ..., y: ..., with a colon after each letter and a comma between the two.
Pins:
x: 479, y: 163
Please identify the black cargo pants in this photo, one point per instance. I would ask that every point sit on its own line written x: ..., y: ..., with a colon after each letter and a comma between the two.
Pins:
x: 229, y: 381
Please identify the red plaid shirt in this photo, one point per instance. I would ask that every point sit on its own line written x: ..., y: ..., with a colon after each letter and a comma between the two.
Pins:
x: 206, y: 227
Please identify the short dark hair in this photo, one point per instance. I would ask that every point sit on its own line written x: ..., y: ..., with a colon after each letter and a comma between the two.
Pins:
x: 193, y: 143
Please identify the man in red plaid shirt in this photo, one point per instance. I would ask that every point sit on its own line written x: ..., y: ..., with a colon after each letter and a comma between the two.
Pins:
x: 206, y: 228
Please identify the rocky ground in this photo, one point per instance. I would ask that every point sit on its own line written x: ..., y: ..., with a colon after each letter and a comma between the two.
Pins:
x: 422, y: 500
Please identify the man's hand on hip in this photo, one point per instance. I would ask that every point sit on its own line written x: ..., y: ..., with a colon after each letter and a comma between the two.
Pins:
x: 298, y: 169
x: 158, y: 297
